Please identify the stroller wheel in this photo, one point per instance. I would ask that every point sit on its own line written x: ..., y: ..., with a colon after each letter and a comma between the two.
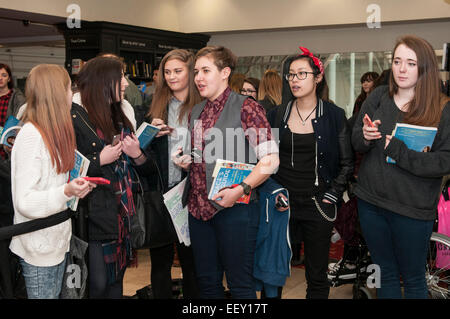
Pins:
x: 361, y: 292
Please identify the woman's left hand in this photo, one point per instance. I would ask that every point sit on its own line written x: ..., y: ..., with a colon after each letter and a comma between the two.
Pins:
x: 131, y: 147
x: 228, y: 196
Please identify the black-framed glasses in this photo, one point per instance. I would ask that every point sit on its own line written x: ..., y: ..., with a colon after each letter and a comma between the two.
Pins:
x: 248, y: 91
x: 300, y: 75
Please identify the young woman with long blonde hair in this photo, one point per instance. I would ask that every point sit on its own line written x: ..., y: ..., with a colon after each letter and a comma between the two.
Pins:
x: 174, y: 97
x: 42, y: 156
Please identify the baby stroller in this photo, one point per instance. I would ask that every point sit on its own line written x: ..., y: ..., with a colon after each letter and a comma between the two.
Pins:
x: 352, y: 268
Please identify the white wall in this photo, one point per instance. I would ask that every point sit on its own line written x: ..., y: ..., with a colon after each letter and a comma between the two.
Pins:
x: 159, y: 14
x: 330, y: 40
x: 232, y: 15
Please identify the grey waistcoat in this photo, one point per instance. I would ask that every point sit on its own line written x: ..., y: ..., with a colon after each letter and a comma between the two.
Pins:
x: 226, y: 140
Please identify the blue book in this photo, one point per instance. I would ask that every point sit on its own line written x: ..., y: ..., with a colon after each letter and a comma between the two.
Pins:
x: 227, y: 177
x: 145, y: 134
x: 10, y: 130
x: 417, y: 138
x: 79, y: 170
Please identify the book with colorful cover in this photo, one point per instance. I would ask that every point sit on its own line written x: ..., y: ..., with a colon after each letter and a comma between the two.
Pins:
x: 79, y: 170
x: 230, y: 164
x: 226, y: 177
x: 10, y: 130
x: 145, y: 134
x: 417, y: 138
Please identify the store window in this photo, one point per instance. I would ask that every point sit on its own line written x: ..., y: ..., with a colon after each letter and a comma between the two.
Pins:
x: 343, y: 71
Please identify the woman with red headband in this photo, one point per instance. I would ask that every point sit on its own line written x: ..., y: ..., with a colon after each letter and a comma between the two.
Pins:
x: 315, y: 162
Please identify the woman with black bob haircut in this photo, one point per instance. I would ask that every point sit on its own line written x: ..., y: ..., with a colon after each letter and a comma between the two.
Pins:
x: 104, y: 127
x: 315, y: 162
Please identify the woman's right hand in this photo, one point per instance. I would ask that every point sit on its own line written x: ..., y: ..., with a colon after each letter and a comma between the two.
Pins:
x: 371, y: 132
x: 183, y: 161
x: 110, y: 153
x: 78, y: 187
x: 163, y: 128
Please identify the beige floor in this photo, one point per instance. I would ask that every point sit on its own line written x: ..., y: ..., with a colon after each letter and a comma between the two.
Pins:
x: 295, y: 288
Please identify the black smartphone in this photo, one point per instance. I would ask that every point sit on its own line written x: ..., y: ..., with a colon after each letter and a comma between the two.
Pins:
x: 281, y: 202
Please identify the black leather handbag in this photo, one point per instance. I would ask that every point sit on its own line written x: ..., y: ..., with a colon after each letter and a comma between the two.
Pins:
x: 159, y: 229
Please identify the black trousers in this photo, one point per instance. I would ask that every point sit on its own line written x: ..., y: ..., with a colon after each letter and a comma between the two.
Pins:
x: 161, y: 271
x: 315, y: 232
x: 98, y: 280
x: 307, y: 224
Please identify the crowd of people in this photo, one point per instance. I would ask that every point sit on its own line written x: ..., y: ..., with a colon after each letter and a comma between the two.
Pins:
x: 301, y: 140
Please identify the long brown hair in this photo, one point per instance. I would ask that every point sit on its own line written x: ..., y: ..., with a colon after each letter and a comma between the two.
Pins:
x: 163, y: 93
x: 426, y: 106
x: 270, y: 87
x: 48, y: 109
x: 99, y: 83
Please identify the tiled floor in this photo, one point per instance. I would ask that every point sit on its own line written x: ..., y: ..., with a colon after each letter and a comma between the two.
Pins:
x: 295, y: 288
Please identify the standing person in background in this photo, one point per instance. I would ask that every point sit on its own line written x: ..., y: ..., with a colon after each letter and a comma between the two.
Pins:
x: 236, y: 81
x: 132, y: 93
x: 397, y: 203
x: 269, y: 93
x: 150, y: 90
x: 10, y: 98
x: 367, y: 85
x: 250, y: 87
x: 100, y: 113
x: 42, y: 156
x: 172, y: 102
x: 316, y: 162
x: 383, y: 79
x: 223, y: 233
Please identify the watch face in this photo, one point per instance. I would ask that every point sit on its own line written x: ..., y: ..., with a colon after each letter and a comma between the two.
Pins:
x: 246, y: 187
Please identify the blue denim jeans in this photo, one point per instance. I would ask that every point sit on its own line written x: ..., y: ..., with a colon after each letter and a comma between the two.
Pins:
x: 226, y: 244
x: 43, y: 282
x: 399, y: 245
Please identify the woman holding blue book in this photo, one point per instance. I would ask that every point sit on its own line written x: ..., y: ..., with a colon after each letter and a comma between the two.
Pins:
x: 174, y: 97
x: 223, y: 232
x: 42, y: 156
x: 397, y: 202
x: 104, y: 124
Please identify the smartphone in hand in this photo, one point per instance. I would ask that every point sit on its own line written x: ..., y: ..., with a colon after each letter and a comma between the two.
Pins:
x: 97, y: 180
x: 116, y: 140
x: 369, y: 121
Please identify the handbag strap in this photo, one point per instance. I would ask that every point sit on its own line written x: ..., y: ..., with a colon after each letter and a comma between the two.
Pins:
x: 35, y: 224
x: 161, y: 183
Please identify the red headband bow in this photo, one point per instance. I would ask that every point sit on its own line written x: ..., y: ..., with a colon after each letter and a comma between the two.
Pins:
x: 316, y: 61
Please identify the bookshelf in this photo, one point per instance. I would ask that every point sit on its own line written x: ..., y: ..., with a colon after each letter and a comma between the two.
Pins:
x: 141, y: 48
